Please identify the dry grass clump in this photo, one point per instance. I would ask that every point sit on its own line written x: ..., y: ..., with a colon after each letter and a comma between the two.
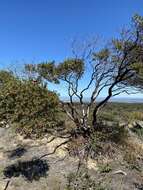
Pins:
x: 134, y: 115
x: 82, y: 180
x: 133, y: 151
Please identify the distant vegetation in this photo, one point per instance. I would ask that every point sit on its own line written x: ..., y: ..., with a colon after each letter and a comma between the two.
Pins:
x: 122, y: 112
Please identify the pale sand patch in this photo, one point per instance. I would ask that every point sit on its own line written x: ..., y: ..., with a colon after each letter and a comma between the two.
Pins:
x: 1, y: 155
x: 61, y: 151
x: 28, y: 141
x: 92, y: 164
x: 2, y: 184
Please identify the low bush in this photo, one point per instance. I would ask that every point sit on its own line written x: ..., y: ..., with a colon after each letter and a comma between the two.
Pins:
x: 130, y: 157
x: 119, y: 134
x: 83, y: 181
x: 101, y: 142
x: 112, y: 132
x: 139, y: 132
x: 132, y: 154
x: 31, y: 108
x: 105, y: 168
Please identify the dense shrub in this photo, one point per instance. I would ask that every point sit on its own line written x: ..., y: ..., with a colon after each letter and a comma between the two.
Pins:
x: 139, y: 132
x: 30, y: 107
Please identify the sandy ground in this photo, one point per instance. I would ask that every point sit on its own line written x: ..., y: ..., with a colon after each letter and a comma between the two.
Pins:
x: 60, y: 165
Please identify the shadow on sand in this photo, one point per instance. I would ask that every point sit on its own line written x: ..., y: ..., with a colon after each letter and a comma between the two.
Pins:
x: 30, y: 170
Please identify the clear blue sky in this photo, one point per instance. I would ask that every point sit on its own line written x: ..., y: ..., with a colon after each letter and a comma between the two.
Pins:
x: 35, y: 30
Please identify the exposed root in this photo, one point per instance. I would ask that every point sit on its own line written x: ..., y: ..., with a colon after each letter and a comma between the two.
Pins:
x: 51, y: 140
x: 55, y: 149
x: 7, y: 184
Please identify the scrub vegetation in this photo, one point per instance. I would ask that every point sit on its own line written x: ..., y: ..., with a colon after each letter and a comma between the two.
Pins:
x: 97, y: 130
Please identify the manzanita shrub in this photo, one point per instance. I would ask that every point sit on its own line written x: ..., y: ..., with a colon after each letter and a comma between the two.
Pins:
x: 28, y: 106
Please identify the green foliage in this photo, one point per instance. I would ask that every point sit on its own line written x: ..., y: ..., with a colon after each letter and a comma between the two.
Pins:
x: 47, y: 70
x: 102, y: 54
x: 5, y: 77
x: 30, y: 107
x: 105, y: 168
x: 139, y: 132
x: 138, y: 22
x: 70, y: 66
x: 136, y: 54
x: 117, y: 44
x: 135, y: 167
x: 42, y: 71
x: 51, y: 72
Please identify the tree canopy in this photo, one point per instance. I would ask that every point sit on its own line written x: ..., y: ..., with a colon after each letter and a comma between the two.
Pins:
x: 118, y: 67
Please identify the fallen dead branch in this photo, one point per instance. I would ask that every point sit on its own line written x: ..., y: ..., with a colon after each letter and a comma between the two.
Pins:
x: 120, y: 172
